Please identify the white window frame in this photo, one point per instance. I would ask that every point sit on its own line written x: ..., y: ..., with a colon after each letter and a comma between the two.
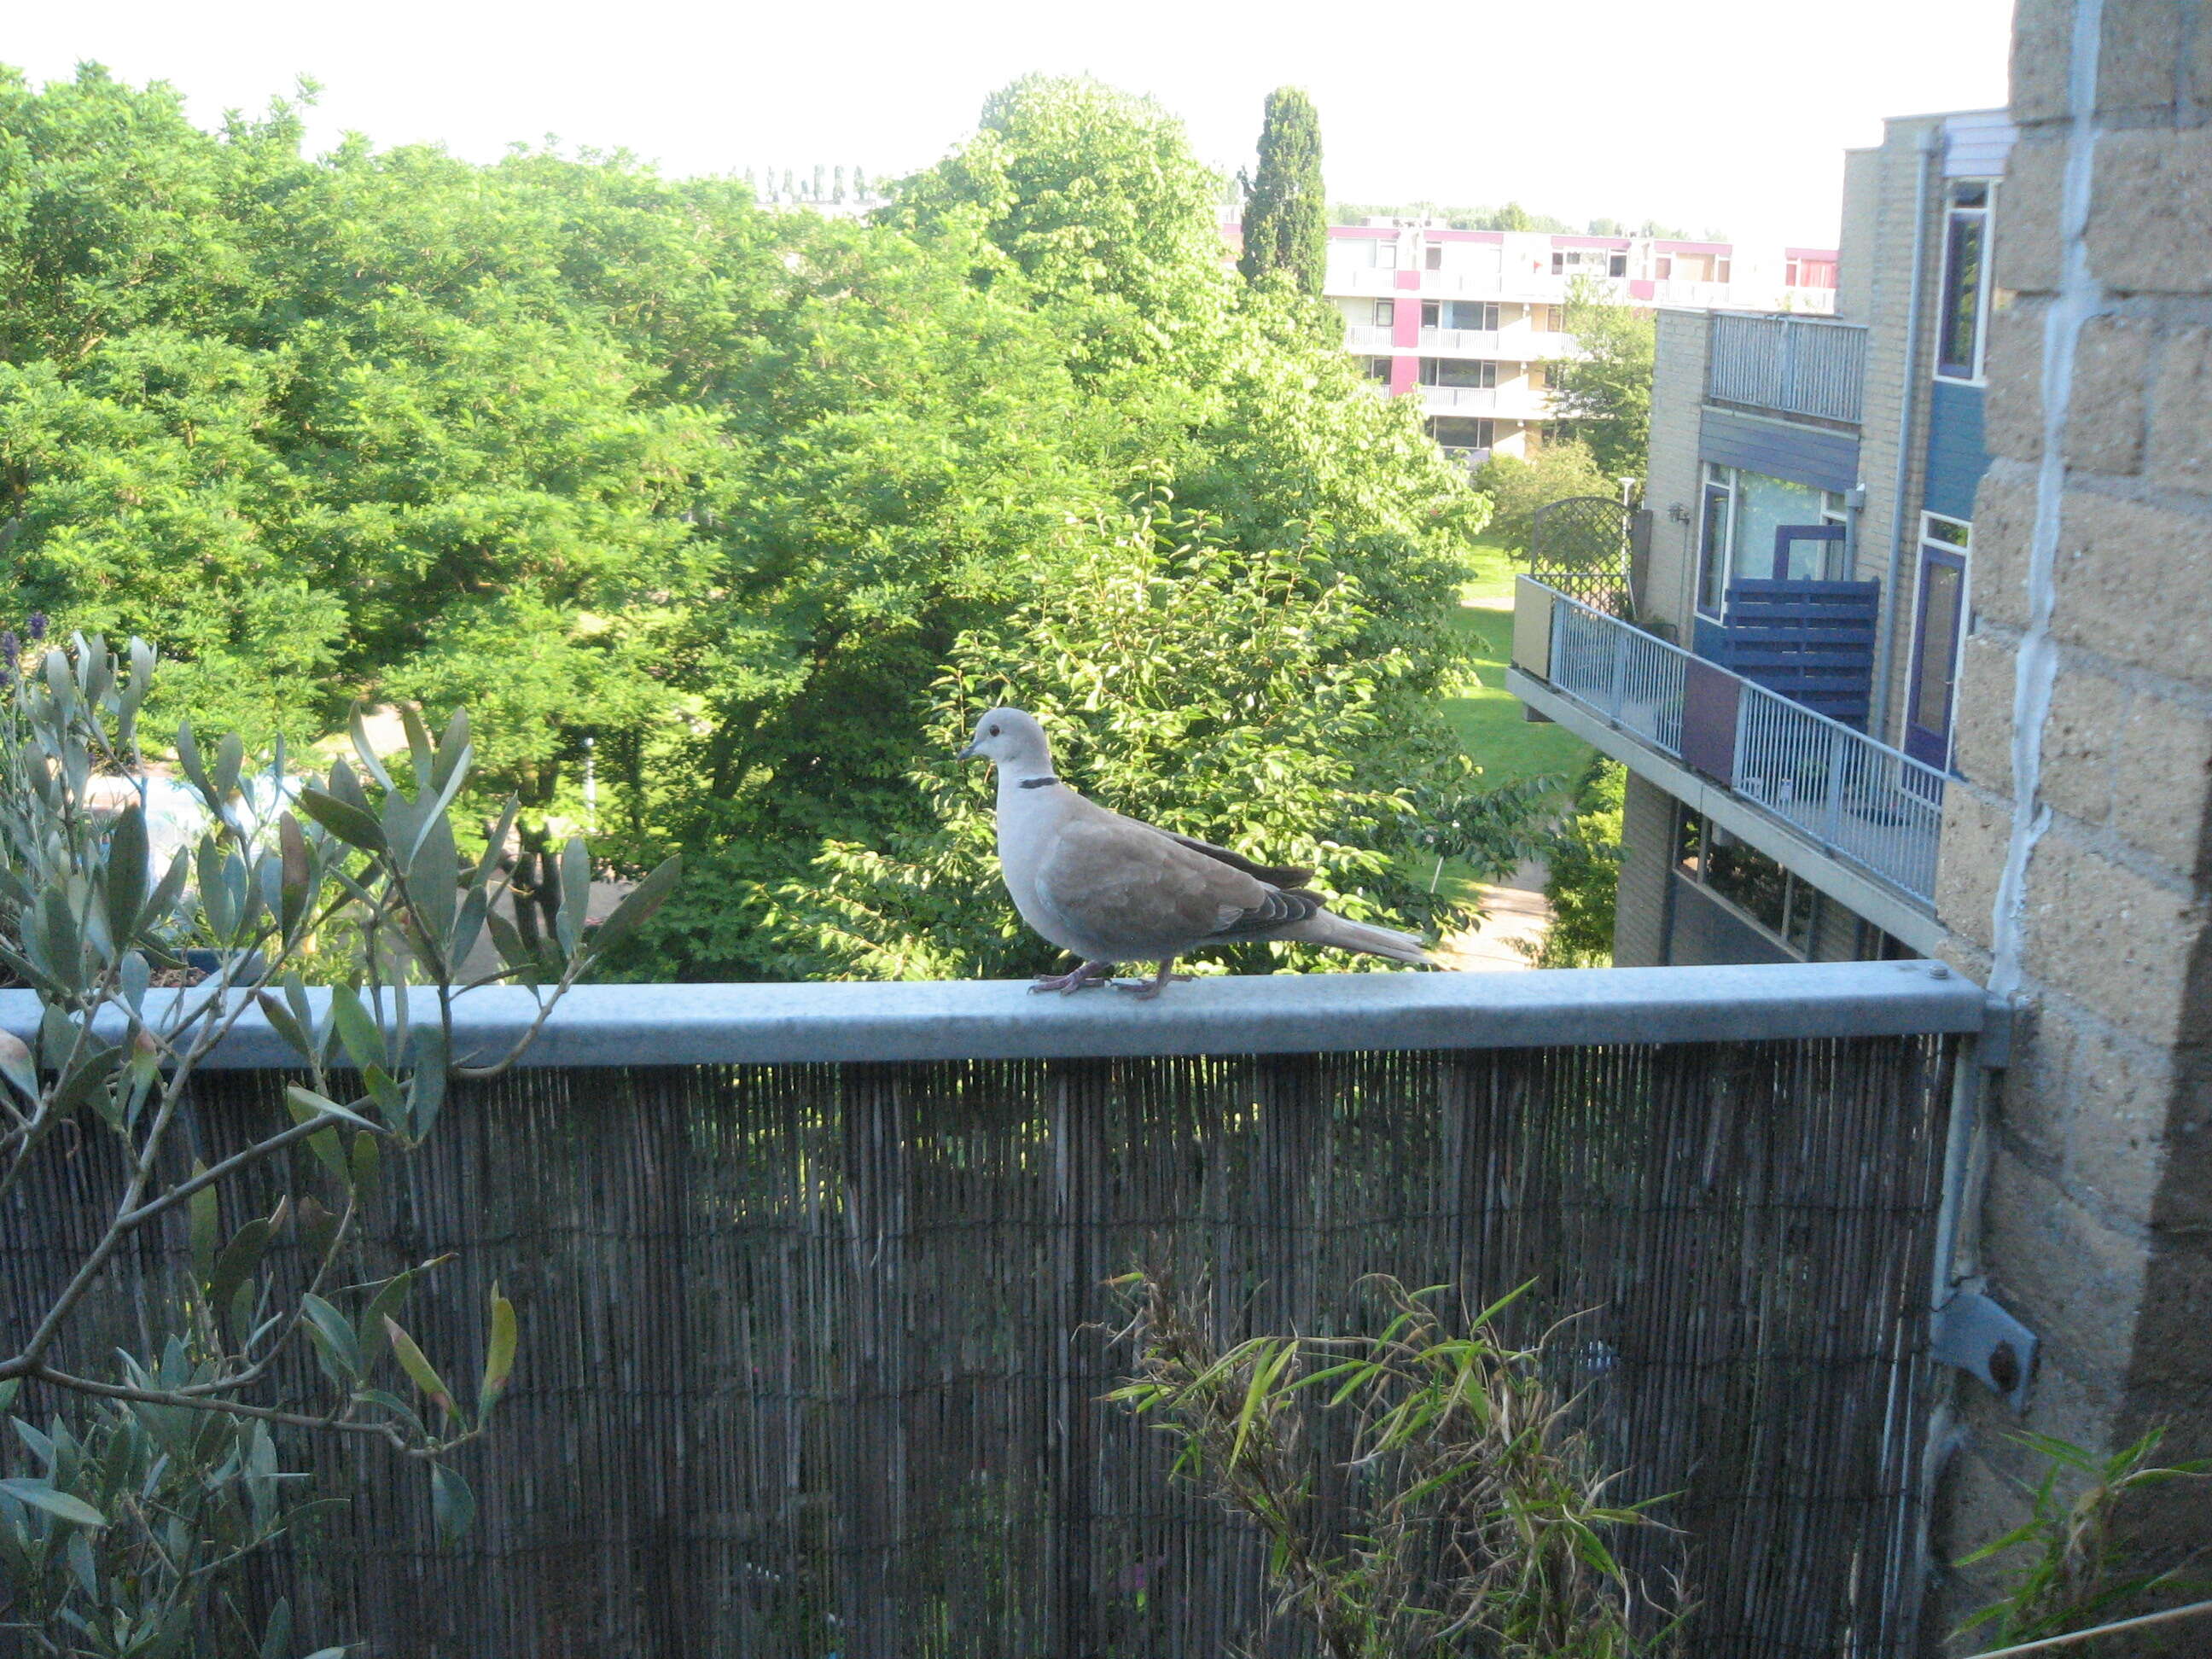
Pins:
x: 1723, y: 477
x: 1964, y: 549
x: 1988, y: 211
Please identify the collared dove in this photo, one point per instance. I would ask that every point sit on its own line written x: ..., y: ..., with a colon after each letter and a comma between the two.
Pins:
x: 1112, y: 889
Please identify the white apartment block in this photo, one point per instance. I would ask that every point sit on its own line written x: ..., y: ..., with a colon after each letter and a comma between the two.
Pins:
x: 1470, y: 321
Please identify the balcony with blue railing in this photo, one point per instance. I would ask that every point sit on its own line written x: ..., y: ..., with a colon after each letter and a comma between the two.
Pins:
x: 1801, y: 783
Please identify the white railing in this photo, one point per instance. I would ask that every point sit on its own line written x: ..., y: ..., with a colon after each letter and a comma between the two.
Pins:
x: 1793, y: 365
x: 1863, y: 801
x: 1368, y: 336
x: 1859, y: 799
x: 1633, y: 679
x: 1469, y: 399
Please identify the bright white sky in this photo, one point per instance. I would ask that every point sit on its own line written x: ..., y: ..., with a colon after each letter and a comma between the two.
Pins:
x: 1730, y: 114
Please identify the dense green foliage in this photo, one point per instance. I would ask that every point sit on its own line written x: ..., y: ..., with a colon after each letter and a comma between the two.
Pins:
x: 1286, y: 215
x: 1517, y: 488
x: 1606, y: 388
x: 1582, y: 871
x: 730, y: 491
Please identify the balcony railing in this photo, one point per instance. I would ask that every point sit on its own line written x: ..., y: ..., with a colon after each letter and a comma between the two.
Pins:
x: 1511, y: 344
x: 1369, y: 336
x: 813, y: 1288
x: 1855, y: 799
x: 1791, y: 365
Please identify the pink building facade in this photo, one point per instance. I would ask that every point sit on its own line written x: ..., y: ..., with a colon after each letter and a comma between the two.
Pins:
x: 1472, y: 321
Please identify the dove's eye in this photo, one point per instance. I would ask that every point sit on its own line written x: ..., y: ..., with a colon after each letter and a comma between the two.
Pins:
x: 995, y: 731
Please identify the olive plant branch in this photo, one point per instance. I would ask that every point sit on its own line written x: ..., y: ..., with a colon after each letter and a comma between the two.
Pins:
x: 383, y: 1428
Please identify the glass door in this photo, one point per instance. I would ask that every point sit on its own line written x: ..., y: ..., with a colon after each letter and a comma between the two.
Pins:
x: 1938, y: 617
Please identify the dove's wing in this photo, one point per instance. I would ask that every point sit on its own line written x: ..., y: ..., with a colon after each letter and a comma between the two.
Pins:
x: 1139, y: 894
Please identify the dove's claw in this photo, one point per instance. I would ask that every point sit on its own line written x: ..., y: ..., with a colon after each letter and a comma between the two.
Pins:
x: 1146, y: 989
x: 1083, y: 976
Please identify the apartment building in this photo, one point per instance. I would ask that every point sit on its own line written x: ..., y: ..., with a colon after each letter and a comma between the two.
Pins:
x: 1472, y: 321
x: 1782, y: 679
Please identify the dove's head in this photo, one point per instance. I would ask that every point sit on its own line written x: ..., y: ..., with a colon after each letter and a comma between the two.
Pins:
x: 1011, y: 738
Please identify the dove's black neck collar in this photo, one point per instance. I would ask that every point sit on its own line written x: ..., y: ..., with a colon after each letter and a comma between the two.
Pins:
x: 1037, y: 783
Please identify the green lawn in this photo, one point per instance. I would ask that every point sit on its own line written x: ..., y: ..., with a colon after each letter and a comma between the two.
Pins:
x: 1485, y: 715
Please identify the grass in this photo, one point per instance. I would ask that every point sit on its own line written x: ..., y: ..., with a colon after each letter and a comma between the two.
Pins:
x: 1485, y: 715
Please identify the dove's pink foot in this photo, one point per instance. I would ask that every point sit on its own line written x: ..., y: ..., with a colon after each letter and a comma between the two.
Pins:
x: 1155, y: 985
x: 1081, y: 977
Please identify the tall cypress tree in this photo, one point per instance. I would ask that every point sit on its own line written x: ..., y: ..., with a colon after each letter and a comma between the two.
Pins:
x: 1286, y: 212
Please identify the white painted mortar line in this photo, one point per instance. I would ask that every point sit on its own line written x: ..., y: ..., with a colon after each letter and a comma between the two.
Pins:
x: 2079, y: 297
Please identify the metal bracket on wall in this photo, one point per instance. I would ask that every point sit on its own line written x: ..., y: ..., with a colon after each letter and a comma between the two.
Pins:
x: 1979, y: 1337
x: 1994, y: 1050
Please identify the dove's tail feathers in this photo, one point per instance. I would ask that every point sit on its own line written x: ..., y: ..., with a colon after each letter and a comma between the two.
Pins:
x: 1322, y: 928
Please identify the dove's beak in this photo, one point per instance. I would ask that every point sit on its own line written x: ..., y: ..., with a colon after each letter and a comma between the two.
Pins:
x: 969, y: 753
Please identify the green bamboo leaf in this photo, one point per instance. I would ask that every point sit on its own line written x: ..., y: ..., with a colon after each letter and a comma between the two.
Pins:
x: 60, y: 1505
x: 499, y: 1354
x: 419, y: 1369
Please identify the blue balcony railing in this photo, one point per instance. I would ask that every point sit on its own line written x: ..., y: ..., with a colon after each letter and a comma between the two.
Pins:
x: 1857, y: 799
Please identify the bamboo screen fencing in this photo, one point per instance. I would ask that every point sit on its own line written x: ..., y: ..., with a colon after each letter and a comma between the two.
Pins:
x: 812, y: 1353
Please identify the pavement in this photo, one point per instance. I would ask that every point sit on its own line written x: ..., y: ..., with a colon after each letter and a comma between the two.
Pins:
x: 1516, y: 917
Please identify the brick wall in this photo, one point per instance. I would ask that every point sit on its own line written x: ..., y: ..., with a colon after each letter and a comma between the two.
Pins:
x: 1639, y: 917
x: 1671, y: 476
x: 2077, y: 853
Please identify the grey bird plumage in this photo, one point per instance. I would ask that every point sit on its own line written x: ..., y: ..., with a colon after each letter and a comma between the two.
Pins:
x: 1111, y: 888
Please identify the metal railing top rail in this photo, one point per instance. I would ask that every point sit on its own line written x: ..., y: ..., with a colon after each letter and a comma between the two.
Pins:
x: 1611, y: 621
x: 630, y: 1025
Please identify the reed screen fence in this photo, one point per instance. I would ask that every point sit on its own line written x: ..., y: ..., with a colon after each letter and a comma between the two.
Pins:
x: 812, y: 1354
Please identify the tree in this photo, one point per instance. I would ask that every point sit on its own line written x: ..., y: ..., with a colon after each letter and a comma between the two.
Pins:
x: 1517, y: 488
x: 1582, y: 881
x: 1286, y: 216
x: 1606, y: 387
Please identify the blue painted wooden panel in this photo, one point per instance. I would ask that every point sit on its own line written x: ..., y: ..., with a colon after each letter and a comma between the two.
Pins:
x: 1956, y: 458
x: 1811, y: 455
x: 1811, y: 641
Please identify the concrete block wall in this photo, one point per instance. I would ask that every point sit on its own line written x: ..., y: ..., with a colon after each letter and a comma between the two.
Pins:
x: 1672, y: 480
x: 2077, y: 865
x: 1647, y: 838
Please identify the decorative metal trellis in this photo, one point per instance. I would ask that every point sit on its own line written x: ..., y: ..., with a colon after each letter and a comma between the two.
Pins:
x: 1579, y: 545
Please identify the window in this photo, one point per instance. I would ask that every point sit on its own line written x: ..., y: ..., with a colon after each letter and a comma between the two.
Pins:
x: 1433, y: 257
x: 1662, y: 267
x: 1378, y: 369
x: 1779, y: 904
x: 1457, y: 432
x: 1938, y: 621
x: 1962, y: 320
x: 1716, y: 536
x: 1455, y: 371
x: 1386, y: 313
x: 1458, y: 313
x: 1616, y: 265
x: 1386, y: 255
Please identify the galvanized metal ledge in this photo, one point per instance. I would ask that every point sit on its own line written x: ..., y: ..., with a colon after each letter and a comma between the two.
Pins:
x: 1286, y: 1013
